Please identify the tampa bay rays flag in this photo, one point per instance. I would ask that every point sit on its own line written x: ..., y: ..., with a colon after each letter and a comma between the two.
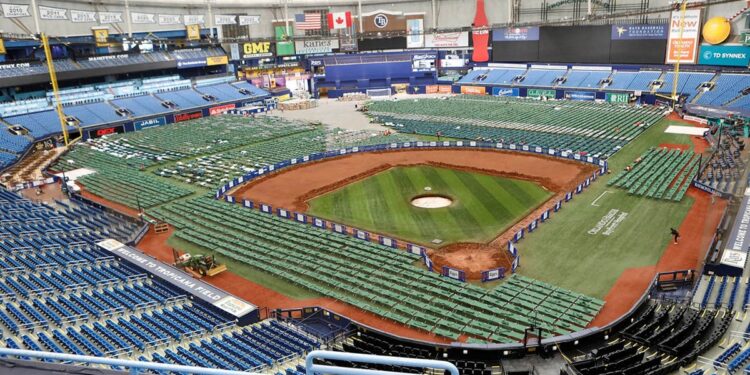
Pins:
x: 248, y: 203
x: 568, y: 196
x: 558, y: 206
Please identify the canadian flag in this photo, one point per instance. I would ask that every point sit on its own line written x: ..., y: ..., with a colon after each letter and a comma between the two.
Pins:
x: 339, y: 20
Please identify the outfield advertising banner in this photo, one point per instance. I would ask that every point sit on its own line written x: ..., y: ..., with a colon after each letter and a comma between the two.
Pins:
x: 618, y: 97
x: 180, y: 117
x: 725, y: 55
x: 505, y: 91
x: 580, y: 95
x: 473, y: 90
x: 537, y: 93
x: 150, y: 123
x: 219, y: 109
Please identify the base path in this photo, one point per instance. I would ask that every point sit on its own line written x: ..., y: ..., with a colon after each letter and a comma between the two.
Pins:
x: 291, y: 188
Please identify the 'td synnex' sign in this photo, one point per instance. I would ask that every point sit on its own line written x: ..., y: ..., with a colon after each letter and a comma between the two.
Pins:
x: 725, y: 55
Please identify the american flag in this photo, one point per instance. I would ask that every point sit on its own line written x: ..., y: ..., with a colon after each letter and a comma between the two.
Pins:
x: 307, y: 21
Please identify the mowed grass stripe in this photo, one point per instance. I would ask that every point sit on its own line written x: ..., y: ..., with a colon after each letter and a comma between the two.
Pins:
x: 375, y: 202
x: 407, y: 188
x: 392, y: 222
x: 500, y: 212
x: 438, y: 177
x: 428, y: 216
x: 469, y: 214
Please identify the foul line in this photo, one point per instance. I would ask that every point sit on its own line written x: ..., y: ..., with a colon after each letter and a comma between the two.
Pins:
x: 599, y: 197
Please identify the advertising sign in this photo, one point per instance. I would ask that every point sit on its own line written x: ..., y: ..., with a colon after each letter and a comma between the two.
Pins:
x: 639, y: 32
x: 725, y: 55
x: 536, y: 93
x: 515, y: 34
x: 256, y: 49
x: 473, y: 90
x: 217, y: 60
x: 458, y: 39
x: 219, y: 109
x: 180, y: 117
x: 190, y: 63
x: 101, y: 37
x: 415, y: 33
x: 308, y: 47
x: 618, y: 97
x: 106, y: 131
x: 505, y: 91
x: 682, y: 45
x: 423, y: 62
x: 580, y: 95
x: 150, y: 123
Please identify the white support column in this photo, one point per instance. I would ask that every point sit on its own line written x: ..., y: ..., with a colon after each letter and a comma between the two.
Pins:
x: 434, y: 15
x: 589, y: 7
x: 210, y: 19
x: 128, y: 19
x: 359, y: 16
x: 35, y: 11
x: 286, y: 17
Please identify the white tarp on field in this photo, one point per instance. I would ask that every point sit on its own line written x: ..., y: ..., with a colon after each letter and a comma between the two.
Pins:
x: 689, y: 130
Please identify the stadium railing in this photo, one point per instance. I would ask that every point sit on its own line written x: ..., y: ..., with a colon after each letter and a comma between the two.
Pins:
x: 136, y: 367
x: 313, y: 368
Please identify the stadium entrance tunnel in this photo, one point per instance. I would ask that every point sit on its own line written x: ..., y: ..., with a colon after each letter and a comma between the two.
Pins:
x: 431, y: 201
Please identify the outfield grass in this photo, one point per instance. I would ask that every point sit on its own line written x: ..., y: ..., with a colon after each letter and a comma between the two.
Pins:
x: 564, y: 253
x: 483, y: 205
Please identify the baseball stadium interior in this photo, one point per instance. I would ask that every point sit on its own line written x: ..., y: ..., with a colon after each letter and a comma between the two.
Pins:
x: 374, y: 187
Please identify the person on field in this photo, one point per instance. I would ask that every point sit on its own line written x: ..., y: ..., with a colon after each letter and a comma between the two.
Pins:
x: 675, y: 234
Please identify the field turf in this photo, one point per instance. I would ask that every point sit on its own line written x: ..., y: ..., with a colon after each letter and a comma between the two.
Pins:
x: 563, y: 252
x: 483, y: 206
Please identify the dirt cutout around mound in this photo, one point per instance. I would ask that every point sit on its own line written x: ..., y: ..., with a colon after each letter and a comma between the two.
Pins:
x: 291, y: 188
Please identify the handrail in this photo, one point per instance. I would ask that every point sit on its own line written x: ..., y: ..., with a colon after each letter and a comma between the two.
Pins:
x: 312, y: 368
x: 135, y: 366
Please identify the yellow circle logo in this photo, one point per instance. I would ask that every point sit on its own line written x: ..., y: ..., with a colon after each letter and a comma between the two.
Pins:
x: 716, y: 30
